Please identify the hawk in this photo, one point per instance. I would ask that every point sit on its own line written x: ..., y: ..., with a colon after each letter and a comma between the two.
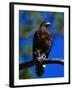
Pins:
x: 41, y: 46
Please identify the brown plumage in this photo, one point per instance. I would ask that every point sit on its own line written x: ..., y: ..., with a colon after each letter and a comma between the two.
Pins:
x: 42, y: 41
x: 41, y: 45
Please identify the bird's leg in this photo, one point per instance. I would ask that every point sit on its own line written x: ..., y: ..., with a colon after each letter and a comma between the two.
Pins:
x: 38, y: 51
x: 43, y: 58
x: 39, y: 57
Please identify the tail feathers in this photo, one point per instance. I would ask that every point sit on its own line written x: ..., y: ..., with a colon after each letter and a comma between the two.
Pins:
x: 39, y: 70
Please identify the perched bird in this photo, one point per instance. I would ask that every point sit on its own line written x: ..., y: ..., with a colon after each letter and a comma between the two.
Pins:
x: 41, y: 46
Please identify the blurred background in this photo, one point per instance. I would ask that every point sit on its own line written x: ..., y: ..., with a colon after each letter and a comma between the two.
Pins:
x: 29, y: 22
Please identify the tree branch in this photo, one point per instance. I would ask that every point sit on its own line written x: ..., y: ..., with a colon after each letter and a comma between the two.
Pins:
x: 46, y: 61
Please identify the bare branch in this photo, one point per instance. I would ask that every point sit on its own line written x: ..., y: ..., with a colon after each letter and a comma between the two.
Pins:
x: 46, y: 61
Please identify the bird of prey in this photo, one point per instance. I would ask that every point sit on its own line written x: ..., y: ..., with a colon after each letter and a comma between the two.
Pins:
x: 41, y: 46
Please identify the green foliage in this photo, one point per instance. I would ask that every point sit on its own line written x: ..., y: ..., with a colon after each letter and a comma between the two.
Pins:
x: 24, y: 33
x: 26, y: 74
x: 34, y: 20
x: 27, y: 49
x: 59, y: 19
x: 37, y: 17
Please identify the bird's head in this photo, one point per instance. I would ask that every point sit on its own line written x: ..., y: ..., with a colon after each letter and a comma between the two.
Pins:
x: 44, y: 26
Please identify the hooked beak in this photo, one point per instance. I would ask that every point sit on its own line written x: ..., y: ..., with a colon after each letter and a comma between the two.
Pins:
x: 48, y: 23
